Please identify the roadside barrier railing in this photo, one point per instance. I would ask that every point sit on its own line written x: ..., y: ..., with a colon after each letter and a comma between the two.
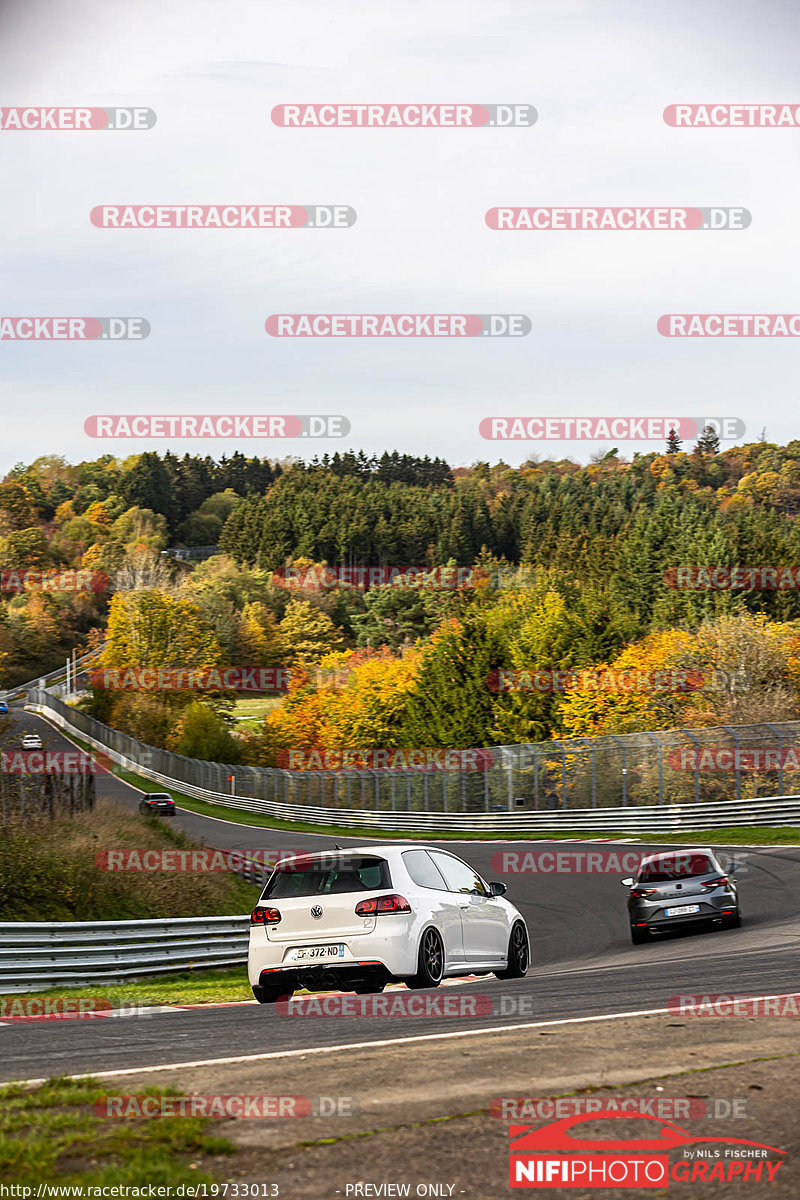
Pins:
x: 39, y: 955
x: 409, y: 803
x: 540, y: 783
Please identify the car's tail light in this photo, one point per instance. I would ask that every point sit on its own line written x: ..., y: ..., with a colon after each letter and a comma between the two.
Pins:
x: 382, y: 904
x: 639, y: 892
x: 718, y: 882
x: 264, y: 916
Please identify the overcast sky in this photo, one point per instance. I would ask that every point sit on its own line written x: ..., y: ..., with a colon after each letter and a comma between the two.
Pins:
x: 599, y: 75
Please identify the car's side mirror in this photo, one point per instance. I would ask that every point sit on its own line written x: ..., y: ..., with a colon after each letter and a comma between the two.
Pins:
x: 627, y: 882
x: 498, y: 889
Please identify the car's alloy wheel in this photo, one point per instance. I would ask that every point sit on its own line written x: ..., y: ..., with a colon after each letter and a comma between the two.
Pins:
x: 518, y: 954
x: 430, y: 961
x: 268, y: 995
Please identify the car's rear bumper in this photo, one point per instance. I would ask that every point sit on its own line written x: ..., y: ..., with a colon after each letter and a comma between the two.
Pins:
x: 391, y: 956
x: 320, y: 979
x: 706, y: 914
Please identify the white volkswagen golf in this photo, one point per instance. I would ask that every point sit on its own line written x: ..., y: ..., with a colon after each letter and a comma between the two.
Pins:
x: 355, y: 920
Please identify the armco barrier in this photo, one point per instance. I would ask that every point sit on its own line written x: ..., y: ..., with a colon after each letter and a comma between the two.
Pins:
x: 36, y: 956
x: 668, y: 819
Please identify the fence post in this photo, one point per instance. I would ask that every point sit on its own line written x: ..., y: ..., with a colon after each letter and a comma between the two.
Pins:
x: 624, y: 769
x: 660, y: 745
x: 593, y: 752
x: 696, y: 764
x: 729, y: 729
x: 779, y: 736
x: 536, y: 778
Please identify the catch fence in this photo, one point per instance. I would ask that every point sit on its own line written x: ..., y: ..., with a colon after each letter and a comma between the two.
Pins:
x: 658, y: 769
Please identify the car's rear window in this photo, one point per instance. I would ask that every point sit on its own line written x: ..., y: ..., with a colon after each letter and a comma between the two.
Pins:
x: 328, y: 876
x: 676, y: 866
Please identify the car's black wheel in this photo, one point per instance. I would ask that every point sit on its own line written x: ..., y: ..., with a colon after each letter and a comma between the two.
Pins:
x: 734, y: 920
x: 430, y: 961
x: 369, y: 989
x: 518, y: 954
x: 269, y: 995
x: 639, y: 936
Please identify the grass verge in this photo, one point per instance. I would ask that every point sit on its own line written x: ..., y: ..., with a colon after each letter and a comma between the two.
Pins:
x: 56, y: 870
x: 52, y: 1134
x: 207, y: 986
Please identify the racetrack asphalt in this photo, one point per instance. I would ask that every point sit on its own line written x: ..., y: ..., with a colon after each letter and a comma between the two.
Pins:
x: 583, y: 963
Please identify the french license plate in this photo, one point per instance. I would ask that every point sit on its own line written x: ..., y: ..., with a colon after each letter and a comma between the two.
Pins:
x: 682, y: 910
x: 307, y: 953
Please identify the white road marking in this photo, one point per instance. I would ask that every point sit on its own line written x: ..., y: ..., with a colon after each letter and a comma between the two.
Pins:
x: 399, y: 1041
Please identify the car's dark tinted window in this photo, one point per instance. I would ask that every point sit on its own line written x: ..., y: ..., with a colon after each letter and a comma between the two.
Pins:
x: 681, y: 865
x: 457, y: 875
x: 423, y: 870
x: 330, y: 876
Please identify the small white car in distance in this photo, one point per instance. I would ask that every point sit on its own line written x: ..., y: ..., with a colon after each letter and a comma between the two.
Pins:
x: 357, y: 919
x: 31, y: 741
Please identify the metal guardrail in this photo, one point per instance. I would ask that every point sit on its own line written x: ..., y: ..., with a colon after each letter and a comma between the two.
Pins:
x: 667, y: 767
x: 35, y: 955
x: 668, y: 819
x: 51, y: 679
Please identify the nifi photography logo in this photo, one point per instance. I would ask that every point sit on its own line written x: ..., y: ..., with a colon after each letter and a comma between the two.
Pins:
x: 552, y: 1156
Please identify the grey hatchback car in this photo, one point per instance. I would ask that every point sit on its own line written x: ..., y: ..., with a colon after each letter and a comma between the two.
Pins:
x: 681, y: 887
